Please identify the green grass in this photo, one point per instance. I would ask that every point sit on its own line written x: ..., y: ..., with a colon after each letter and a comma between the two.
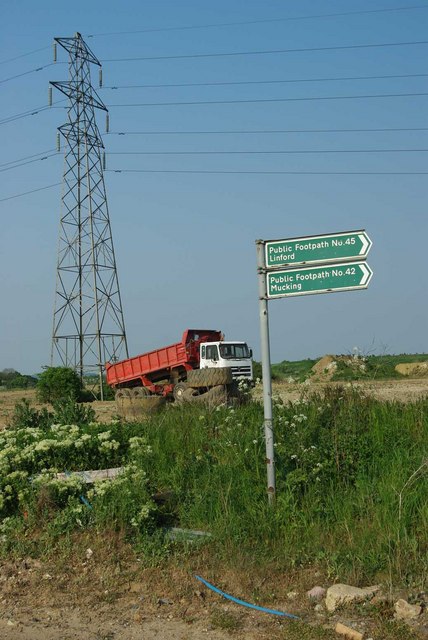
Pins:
x: 299, y: 370
x: 351, y: 485
x: 375, y: 368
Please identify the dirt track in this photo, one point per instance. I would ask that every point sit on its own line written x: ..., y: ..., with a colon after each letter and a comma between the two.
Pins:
x: 404, y: 390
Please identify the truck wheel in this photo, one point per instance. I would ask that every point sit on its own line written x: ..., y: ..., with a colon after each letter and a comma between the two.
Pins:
x: 190, y: 395
x: 122, y: 394
x: 179, y: 391
x: 140, y: 392
x: 209, y: 377
x: 213, y: 397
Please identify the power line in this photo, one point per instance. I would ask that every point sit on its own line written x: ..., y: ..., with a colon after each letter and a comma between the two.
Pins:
x: 262, y: 21
x: 265, y: 100
x: 26, y: 73
x: 227, y: 24
x: 269, y: 152
x: 23, y: 55
x: 25, y: 193
x: 34, y: 155
x: 293, y: 173
x: 22, y: 164
x: 31, y: 112
x: 263, y: 131
x: 250, y: 82
x: 269, y: 51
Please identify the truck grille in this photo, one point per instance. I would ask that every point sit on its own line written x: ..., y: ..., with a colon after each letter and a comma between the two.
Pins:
x: 241, y: 372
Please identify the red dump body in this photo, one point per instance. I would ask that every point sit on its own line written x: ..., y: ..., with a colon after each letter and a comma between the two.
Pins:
x: 161, y: 364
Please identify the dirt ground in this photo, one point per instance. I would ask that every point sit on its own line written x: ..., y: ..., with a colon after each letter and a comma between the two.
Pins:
x: 105, y: 599
x: 41, y: 601
x: 404, y: 390
x: 91, y: 600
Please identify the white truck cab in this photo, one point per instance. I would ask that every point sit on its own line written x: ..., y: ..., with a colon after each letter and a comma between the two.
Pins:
x: 233, y: 355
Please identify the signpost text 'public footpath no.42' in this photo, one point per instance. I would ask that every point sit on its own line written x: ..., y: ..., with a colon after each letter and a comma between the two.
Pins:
x: 337, y: 263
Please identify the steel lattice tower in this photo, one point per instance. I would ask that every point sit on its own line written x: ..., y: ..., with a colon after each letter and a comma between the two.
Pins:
x: 88, y: 324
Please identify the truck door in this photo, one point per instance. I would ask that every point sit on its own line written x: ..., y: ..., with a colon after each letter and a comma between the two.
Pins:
x: 211, y: 355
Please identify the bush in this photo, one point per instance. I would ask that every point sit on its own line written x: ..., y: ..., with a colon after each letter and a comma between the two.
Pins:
x: 25, y: 416
x: 57, y: 383
x: 12, y: 379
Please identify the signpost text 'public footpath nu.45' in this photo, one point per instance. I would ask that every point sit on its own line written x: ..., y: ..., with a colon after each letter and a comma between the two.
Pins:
x: 327, y: 248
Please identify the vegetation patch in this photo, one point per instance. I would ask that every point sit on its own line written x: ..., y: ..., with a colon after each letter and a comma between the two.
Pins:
x: 11, y: 379
x: 351, y: 484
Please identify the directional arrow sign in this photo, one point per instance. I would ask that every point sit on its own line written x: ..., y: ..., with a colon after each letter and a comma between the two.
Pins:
x: 347, y: 245
x: 344, y: 276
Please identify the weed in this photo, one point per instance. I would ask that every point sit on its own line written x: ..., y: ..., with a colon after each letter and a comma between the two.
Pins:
x: 348, y: 497
x: 228, y: 620
x: 303, y: 631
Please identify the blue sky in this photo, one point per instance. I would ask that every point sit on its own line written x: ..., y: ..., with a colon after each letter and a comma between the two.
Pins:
x: 185, y: 242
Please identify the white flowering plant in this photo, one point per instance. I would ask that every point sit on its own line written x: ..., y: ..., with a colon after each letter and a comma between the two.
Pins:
x: 32, y: 456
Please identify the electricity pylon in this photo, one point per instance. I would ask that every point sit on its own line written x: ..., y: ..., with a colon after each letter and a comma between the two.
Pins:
x: 88, y: 324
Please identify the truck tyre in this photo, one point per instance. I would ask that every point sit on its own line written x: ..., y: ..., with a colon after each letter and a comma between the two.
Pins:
x: 190, y: 395
x: 209, y: 377
x: 139, y: 392
x: 179, y: 391
x: 122, y: 394
x: 213, y: 397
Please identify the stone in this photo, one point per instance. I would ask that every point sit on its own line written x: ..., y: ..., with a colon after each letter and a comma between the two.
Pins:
x: 347, y: 632
x: 316, y: 593
x: 292, y: 595
x: 342, y: 594
x: 406, y: 611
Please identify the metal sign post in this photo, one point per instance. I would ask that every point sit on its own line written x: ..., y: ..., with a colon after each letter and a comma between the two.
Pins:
x: 337, y: 262
x: 266, y: 372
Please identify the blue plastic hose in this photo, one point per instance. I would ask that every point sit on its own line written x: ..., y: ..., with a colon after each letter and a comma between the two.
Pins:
x: 82, y: 498
x: 246, y: 604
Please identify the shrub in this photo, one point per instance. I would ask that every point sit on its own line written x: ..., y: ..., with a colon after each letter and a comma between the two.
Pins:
x: 25, y: 416
x: 57, y: 383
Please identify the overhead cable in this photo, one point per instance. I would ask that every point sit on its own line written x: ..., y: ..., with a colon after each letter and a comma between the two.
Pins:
x: 26, y: 73
x: 31, y: 112
x: 25, y: 193
x: 293, y: 173
x: 260, y: 21
x: 250, y: 82
x: 263, y: 131
x: 270, y: 51
x: 23, y: 55
x: 258, y: 152
x: 29, y: 162
x: 265, y: 100
x: 41, y: 153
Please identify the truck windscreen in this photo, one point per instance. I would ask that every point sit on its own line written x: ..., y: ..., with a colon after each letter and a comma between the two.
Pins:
x: 234, y: 351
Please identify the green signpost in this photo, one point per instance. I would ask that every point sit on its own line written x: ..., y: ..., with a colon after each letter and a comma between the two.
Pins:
x: 337, y: 262
x: 348, y: 245
x: 344, y: 276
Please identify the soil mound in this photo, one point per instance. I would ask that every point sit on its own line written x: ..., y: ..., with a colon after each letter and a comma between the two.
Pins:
x: 417, y: 369
x: 325, y: 367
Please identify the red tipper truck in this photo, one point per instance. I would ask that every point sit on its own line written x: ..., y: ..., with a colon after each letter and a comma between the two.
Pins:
x: 187, y: 369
